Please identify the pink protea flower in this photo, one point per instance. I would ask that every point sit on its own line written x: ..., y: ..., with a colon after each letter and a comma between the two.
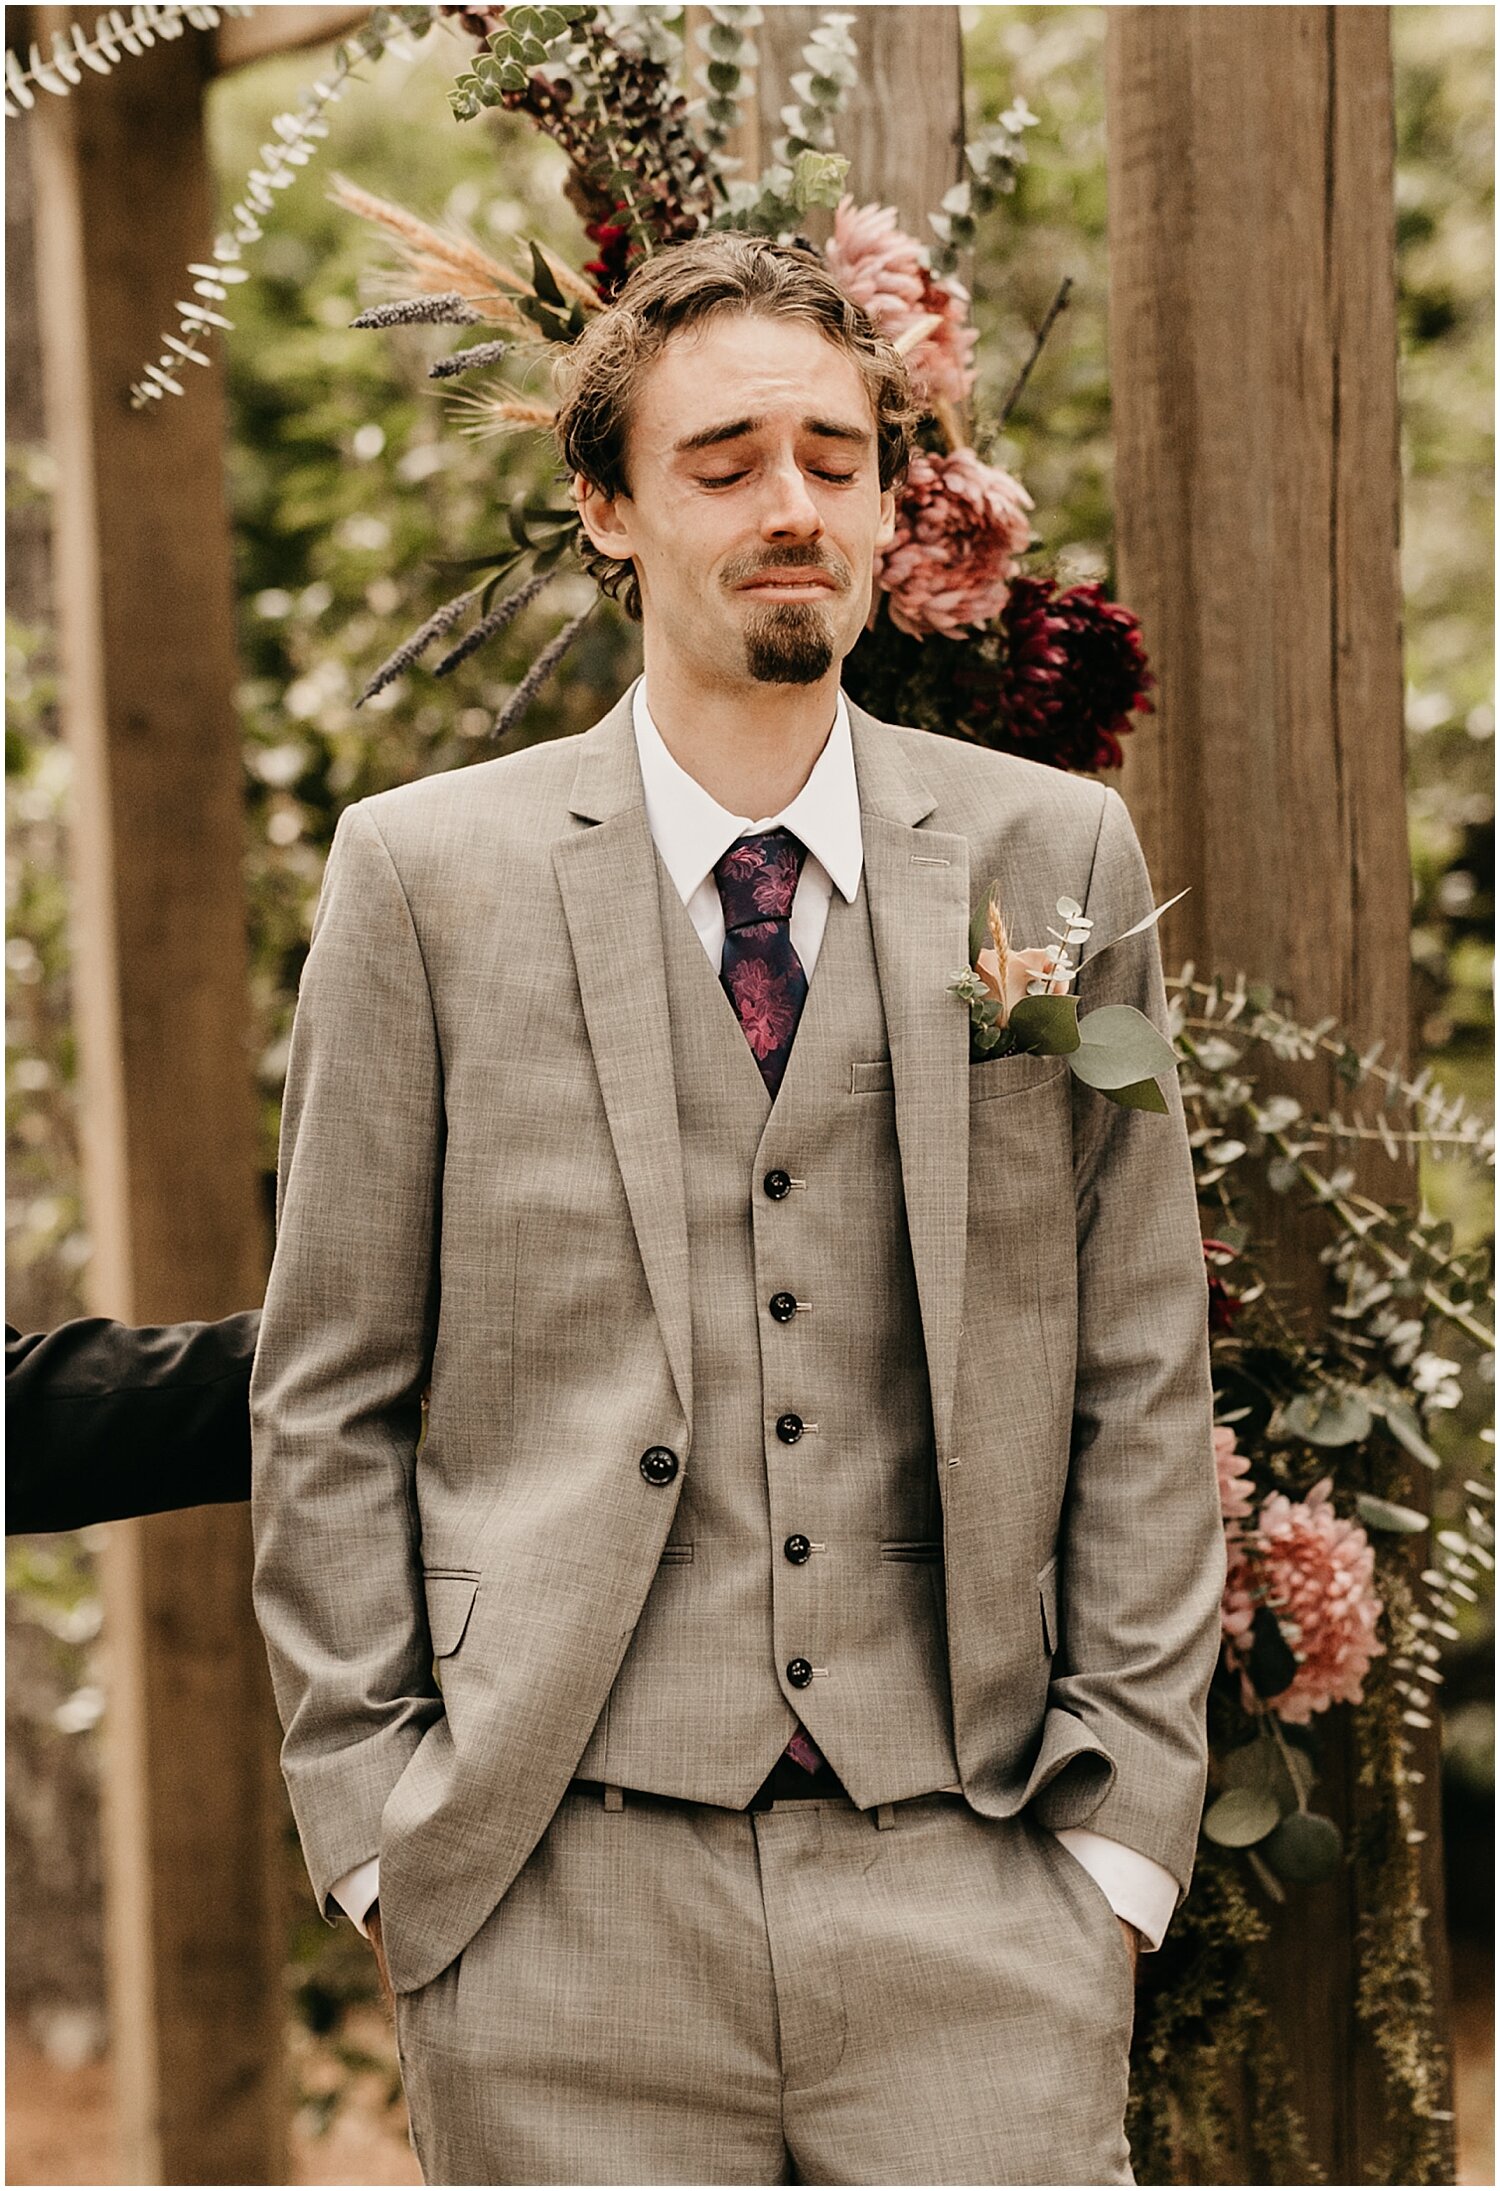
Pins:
x: 1236, y: 1492
x: 1316, y: 1571
x: 960, y: 525
x: 888, y: 273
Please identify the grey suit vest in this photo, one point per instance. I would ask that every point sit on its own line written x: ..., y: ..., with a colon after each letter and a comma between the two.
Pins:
x: 701, y: 1705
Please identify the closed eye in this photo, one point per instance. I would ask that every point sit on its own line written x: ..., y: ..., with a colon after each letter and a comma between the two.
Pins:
x: 730, y: 479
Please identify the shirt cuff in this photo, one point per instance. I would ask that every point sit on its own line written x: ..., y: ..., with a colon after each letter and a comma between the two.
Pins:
x: 1137, y: 1888
x: 357, y: 1890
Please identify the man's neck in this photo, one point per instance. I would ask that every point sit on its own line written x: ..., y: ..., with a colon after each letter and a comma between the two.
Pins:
x: 751, y: 746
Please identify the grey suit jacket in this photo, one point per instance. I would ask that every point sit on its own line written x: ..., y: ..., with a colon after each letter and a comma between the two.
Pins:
x: 482, y: 1033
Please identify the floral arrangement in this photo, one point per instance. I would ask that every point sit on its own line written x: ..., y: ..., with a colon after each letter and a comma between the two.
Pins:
x: 1324, y: 1607
x: 1018, y: 1002
x: 962, y: 638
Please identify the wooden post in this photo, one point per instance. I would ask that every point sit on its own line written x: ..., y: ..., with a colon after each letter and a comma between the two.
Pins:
x: 194, y: 1813
x: 1257, y: 495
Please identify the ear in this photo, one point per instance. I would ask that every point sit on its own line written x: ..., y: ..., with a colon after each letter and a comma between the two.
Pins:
x: 887, y: 532
x: 605, y: 518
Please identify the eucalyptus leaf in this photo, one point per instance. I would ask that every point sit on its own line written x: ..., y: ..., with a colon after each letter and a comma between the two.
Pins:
x: 1117, y: 1046
x: 818, y: 179
x: 1047, y: 1024
x: 1403, y: 1521
x: 1305, y: 1848
x: 1241, y: 1817
x: 1139, y: 1095
x: 1249, y: 1765
x: 1327, y: 1418
x: 1401, y: 1421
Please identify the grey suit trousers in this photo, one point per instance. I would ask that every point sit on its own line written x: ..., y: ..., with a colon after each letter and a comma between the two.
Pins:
x: 672, y: 1993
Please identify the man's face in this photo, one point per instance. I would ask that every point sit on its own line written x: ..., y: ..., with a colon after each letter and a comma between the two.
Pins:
x: 755, y: 507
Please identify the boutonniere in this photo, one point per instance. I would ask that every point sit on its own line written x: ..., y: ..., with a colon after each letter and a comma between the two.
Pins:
x: 1018, y: 1001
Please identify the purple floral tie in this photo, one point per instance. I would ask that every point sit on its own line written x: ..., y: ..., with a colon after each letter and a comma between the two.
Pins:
x: 757, y: 879
x: 766, y: 984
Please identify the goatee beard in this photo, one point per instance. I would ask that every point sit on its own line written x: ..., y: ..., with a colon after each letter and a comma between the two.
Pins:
x: 788, y: 643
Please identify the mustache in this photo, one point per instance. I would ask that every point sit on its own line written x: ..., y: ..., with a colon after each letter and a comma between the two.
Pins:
x: 809, y: 556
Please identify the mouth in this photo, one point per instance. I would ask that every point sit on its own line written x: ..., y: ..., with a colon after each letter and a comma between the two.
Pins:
x: 790, y: 586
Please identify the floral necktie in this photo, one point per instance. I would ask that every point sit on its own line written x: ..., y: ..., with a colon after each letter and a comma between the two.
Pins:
x: 766, y: 984
x: 762, y: 974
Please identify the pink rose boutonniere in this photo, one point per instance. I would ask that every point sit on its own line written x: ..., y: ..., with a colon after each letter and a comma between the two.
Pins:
x: 1018, y: 1001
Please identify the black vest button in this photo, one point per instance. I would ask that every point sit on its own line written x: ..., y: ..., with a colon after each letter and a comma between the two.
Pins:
x: 799, y: 1673
x: 777, y: 1184
x: 797, y: 1549
x: 783, y: 1307
x: 788, y: 1428
x: 658, y: 1464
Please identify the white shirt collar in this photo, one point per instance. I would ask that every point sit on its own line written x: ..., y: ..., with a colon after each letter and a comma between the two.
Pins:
x: 693, y: 832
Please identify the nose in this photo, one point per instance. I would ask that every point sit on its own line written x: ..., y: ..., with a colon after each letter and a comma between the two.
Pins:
x: 789, y: 511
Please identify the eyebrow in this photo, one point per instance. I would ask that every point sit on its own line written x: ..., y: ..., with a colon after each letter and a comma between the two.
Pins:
x: 826, y: 429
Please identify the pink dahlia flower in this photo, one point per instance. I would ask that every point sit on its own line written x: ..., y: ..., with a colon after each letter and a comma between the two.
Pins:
x: 1236, y: 1493
x: 960, y: 525
x: 1316, y: 1572
x: 887, y: 272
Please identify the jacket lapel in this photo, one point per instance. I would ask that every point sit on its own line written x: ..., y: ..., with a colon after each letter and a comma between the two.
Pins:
x: 607, y: 876
x: 918, y: 883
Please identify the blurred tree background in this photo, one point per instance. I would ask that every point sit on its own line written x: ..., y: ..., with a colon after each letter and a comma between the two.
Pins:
x: 349, y: 482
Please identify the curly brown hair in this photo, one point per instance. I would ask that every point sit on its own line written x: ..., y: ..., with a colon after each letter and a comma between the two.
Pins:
x: 681, y: 288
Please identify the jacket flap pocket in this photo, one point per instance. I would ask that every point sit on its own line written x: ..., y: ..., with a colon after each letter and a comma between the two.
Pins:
x: 1046, y: 1583
x: 911, y: 1548
x: 450, y: 1600
x: 865, y: 1078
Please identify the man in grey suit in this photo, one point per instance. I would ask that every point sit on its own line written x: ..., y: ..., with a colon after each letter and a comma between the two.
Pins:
x: 759, y: 1718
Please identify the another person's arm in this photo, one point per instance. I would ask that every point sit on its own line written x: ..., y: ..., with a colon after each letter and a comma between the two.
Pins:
x: 104, y: 1421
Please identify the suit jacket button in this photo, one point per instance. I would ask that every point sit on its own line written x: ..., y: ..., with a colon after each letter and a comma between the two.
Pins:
x: 799, y: 1673
x: 658, y: 1464
x: 789, y: 1428
x: 783, y: 1307
x: 777, y: 1184
x: 797, y: 1549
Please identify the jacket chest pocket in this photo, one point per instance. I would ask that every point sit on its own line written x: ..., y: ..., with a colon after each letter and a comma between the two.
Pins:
x: 1019, y: 1074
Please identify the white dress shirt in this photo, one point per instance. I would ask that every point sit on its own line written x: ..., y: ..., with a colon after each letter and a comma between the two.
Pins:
x: 692, y: 832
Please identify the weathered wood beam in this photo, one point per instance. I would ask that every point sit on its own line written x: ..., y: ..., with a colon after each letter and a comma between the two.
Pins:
x: 1257, y: 496
x: 239, y: 40
x: 194, y: 1815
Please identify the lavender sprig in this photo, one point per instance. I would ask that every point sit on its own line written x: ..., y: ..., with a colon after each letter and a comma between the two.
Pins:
x: 472, y: 360
x: 499, y: 617
x: 448, y: 308
x: 540, y: 670
x: 412, y: 649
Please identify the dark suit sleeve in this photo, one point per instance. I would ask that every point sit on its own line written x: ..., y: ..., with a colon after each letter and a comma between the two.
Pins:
x: 105, y: 1420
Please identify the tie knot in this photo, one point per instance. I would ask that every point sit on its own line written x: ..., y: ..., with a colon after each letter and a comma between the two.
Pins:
x: 757, y: 877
